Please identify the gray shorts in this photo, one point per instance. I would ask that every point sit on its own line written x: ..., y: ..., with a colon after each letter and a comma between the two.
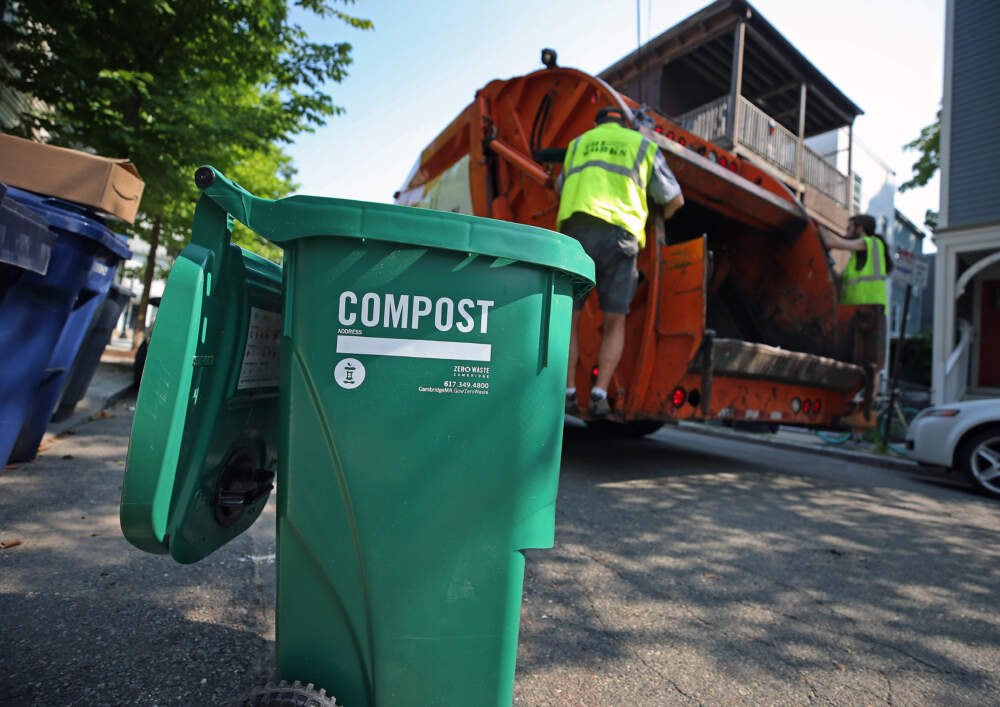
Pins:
x: 869, y: 335
x: 614, y: 252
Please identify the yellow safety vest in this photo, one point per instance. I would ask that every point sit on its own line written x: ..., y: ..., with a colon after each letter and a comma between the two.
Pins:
x: 605, y: 174
x: 866, y: 285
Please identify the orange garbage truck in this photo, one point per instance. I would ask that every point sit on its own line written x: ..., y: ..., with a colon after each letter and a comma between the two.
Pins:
x: 736, y: 316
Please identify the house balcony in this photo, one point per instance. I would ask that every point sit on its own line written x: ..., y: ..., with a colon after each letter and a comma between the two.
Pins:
x: 735, y: 80
x: 769, y: 144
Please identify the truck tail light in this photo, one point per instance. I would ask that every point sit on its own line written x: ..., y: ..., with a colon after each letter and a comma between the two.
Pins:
x: 678, y: 396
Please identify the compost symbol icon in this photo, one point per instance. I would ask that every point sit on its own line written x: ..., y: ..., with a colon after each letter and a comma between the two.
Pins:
x: 349, y: 373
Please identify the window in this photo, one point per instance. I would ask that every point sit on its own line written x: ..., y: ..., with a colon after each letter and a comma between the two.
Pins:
x: 856, y: 195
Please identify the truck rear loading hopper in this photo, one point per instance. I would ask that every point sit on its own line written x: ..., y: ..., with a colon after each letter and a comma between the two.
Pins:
x: 736, y: 315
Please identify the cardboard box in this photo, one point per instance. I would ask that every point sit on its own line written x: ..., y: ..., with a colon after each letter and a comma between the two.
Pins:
x: 110, y: 185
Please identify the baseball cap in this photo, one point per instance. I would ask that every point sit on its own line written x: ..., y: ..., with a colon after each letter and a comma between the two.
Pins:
x: 610, y: 113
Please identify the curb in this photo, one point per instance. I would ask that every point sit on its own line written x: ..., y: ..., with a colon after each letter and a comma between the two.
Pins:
x: 96, y: 399
x: 103, y: 400
x: 829, y: 450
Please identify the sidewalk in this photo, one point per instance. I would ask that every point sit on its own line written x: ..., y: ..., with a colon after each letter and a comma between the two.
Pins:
x: 119, y: 350
x: 801, y: 439
x: 111, y: 382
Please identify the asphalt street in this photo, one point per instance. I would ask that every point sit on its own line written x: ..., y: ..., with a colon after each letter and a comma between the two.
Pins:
x: 687, y: 570
x: 691, y: 570
x: 86, y: 619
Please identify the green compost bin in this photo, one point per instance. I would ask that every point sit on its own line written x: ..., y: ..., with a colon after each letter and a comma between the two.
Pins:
x: 414, y: 424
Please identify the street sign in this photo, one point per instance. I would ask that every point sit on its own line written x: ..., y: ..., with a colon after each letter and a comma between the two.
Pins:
x: 910, y: 269
x: 920, y: 270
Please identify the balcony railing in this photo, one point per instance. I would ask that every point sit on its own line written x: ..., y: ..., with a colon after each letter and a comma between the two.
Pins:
x: 708, y: 121
x: 767, y: 137
x: 824, y: 176
x: 763, y: 135
x: 956, y: 368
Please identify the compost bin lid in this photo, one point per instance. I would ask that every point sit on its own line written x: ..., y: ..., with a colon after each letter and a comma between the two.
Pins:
x: 295, y: 217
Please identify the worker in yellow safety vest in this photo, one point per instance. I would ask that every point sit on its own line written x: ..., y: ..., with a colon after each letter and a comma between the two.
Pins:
x: 864, y: 283
x: 607, y: 173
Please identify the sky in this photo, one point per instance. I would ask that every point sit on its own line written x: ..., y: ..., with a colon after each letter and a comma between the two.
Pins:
x: 424, y: 61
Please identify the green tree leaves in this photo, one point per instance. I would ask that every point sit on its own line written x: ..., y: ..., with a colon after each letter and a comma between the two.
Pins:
x: 929, y: 147
x: 172, y: 85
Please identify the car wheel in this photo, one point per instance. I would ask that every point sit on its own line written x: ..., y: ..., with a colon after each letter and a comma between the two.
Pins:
x: 979, y: 458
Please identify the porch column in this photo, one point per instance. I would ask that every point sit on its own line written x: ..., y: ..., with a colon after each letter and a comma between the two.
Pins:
x: 850, y: 169
x: 802, y: 132
x: 944, y: 319
x: 736, y: 85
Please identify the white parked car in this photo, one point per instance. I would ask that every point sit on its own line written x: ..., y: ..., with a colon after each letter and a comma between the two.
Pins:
x: 963, y: 436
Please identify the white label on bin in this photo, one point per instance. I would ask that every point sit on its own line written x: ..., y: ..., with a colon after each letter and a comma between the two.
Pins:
x: 463, y: 379
x: 262, y: 355
x: 414, y: 348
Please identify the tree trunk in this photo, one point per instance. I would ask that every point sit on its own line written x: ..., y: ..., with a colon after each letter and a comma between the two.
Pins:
x: 147, y: 283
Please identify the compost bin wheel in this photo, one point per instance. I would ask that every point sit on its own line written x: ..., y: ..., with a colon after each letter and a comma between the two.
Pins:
x: 285, y: 695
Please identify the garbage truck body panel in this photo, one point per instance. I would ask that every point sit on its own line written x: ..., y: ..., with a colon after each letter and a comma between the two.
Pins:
x: 736, y: 315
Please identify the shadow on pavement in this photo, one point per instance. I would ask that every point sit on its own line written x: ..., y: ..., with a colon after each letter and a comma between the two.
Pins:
x: 87, y: 619
x: 726, y: 570
x: 111, y: 647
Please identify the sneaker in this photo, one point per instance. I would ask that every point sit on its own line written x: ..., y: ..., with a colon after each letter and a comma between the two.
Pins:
x: 599, y: 407
x: 572, y: 408
x: 859, y: 420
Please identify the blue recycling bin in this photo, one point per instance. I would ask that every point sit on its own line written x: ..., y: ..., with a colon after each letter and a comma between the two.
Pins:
x: 81, y: 269
x: 89, y: 355
x: 25, y: 241
x: 40, y: 277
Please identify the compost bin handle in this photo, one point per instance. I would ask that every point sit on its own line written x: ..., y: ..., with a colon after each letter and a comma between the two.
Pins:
x: 230, y: 196
x: 221, y: 201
